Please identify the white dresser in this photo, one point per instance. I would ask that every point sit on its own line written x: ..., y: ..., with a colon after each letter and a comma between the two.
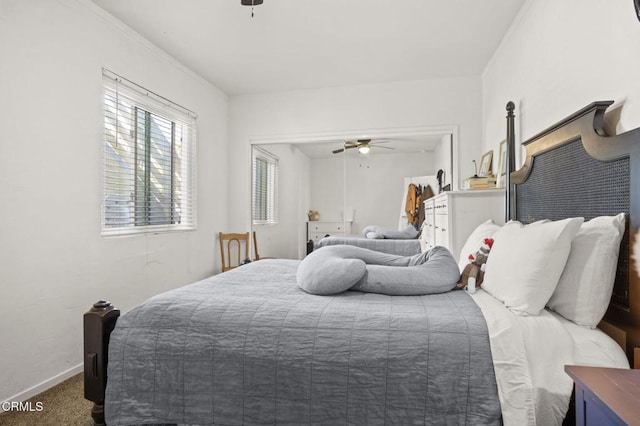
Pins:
x: 317, y: 230
x: 451, y: 216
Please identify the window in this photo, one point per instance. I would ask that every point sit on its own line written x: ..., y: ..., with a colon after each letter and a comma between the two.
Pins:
x: 149, y: 167
x: 265, y: 187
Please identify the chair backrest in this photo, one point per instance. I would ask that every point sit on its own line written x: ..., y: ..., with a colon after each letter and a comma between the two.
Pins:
x: 255, y: 246
x: 232, y: 244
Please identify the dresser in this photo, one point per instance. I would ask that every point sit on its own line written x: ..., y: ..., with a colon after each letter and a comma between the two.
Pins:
x: 606, y: 396
x: 317, y: 230
x: 450, y: 217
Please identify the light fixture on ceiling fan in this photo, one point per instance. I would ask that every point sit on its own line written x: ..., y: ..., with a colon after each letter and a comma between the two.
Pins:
x: 363, y: 145
x: 251, y: 3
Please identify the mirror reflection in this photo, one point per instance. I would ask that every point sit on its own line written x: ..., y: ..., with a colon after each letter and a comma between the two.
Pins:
x: 304, y: 191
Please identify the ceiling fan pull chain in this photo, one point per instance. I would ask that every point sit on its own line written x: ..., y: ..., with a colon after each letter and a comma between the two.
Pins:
x: 251, y: 3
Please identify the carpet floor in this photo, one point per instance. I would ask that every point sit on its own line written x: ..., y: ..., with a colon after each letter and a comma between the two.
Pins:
x: 62, y: 405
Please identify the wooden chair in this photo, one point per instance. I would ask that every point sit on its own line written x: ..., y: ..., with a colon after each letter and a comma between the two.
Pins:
x: 255, y: 248
x: 229, y: 242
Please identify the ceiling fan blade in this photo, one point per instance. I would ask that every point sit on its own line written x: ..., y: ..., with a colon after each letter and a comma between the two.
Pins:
x: 338, y: 151
x: 385, y: 147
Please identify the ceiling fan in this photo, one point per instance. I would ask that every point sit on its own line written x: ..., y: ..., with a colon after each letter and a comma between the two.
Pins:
x: 363, y: 145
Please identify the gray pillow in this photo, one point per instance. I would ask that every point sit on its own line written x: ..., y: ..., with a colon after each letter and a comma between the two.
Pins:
x: 334, y: 269
x: 327, y: 271
x: 434, y: 271
x: 377, y: 232
x: 374, y: 235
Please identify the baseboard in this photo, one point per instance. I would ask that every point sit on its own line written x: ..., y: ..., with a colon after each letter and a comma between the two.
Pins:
x: 47, y: 384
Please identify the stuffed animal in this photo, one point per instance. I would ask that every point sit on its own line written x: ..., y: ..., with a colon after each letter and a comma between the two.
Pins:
x: 473, y: 274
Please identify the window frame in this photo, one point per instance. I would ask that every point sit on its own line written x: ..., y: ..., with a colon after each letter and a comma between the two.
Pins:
x: 123, y: 91
x: 269, y: 213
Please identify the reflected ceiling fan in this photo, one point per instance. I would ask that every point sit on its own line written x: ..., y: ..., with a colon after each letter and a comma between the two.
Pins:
x: 363, y: 145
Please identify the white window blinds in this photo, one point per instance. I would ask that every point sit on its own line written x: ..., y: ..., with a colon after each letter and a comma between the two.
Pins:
x: 265, y: 187
x: 149, y: 161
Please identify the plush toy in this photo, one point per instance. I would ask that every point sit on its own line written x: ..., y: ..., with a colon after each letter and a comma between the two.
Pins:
x: 473, y: 274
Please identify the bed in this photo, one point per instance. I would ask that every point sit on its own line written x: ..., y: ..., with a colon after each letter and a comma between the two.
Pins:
x: 250, y: 347
x: 391, y: 246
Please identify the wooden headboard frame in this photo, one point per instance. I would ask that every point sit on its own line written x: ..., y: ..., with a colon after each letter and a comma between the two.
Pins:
x: 574, y: 168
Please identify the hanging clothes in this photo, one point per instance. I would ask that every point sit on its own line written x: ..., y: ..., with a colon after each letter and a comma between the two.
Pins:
x: 419, y: 210
x: 413, y: 205
x: 426, y: 193
x: 410, y: 204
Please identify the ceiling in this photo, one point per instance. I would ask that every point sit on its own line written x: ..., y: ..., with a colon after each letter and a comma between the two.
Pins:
x: 304, y: 44
x: 399, y: 145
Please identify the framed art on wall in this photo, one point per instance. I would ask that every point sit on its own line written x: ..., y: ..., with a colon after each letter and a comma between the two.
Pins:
x: 486, y: 164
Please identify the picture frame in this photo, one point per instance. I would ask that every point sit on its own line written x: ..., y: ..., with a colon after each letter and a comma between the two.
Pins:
x: 486, y: 164
x: 502, y: 165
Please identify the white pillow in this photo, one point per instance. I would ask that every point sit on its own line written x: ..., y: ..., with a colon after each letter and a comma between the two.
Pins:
x: 526, y: 262
x: 475, y: 240
x: 586, y: 284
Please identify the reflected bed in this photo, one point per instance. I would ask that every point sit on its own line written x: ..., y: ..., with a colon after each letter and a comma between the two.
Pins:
x: 399, y: 247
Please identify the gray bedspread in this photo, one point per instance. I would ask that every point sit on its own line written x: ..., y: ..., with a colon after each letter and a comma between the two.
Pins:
x: 250, y: 347
x: 399, y: 247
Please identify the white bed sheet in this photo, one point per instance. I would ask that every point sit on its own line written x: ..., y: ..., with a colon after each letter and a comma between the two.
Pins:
x: 529, y: 355
x: 594, y: 347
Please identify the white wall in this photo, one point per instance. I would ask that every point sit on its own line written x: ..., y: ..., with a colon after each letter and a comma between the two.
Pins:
x: 558, y: 57
x: 373, y: 188
x: 327, y: 188
x: 442, y: 102
x: 442, y: 161
x: 53, y: 262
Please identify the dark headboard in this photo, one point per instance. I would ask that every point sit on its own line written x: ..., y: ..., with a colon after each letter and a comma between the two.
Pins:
x: 575, y: 169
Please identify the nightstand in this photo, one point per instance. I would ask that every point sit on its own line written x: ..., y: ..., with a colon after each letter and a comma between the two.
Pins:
x: 606, y: 396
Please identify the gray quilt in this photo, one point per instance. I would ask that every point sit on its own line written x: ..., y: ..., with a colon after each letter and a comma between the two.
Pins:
x: 399, y: 247
x: 249, y: 347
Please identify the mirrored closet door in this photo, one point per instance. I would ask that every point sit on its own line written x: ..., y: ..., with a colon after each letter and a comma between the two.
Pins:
x: 302, y: 191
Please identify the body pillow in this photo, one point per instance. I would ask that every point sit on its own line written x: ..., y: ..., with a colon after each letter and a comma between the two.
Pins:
x: 334, y: 269
x: 377, y: 232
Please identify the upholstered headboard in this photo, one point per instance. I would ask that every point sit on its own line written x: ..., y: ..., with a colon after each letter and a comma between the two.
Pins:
x: 575, y: 169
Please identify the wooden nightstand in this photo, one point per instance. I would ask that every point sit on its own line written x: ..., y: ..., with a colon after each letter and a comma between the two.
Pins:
x: 606, y: 396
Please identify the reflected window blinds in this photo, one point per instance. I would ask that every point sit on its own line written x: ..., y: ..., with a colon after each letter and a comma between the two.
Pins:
x: 265, y: 187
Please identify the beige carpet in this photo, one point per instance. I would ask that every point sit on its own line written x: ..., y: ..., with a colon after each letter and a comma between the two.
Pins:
x: 63, y: 405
